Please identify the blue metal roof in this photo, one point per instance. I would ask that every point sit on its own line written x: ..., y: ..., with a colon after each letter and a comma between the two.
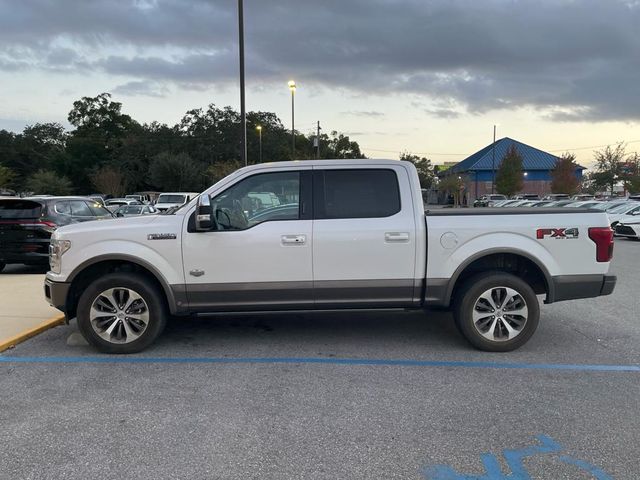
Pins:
x: 532, y: 158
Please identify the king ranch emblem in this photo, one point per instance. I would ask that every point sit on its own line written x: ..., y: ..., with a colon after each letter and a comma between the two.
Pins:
x: 557, y: 233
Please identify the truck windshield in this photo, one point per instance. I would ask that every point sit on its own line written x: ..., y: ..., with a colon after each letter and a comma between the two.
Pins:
x: 171, y: 199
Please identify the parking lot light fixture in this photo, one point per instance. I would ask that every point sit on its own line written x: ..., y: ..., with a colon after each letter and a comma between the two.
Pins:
x: 259, y: 129
x: 292, y: 88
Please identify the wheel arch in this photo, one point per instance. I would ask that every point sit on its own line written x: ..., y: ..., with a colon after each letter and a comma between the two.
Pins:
x: 506, y: 260
x: 84, y: 273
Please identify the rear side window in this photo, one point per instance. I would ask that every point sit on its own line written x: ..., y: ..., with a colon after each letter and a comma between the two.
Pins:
x: 63, y: 208
x: 19, y: 209
x: 80, y: 209
x: 357, y: 193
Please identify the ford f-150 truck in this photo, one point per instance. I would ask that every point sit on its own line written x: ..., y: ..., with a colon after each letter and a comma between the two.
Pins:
x: 344, y: 234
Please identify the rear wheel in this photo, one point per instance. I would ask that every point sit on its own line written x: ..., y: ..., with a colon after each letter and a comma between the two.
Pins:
x: 496, y: 312
x: 121, y: 313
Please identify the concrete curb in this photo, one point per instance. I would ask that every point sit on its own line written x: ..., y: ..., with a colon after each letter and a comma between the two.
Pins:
x: 32, y: 332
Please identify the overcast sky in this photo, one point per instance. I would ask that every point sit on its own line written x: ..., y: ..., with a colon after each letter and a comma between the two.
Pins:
x: 425, y: 76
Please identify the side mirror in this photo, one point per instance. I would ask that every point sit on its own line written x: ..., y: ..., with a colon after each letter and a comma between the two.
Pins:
x: 119, y: 214
x: 204, y: 220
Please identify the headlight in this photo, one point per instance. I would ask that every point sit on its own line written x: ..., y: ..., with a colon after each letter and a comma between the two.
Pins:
x: 57, y: 248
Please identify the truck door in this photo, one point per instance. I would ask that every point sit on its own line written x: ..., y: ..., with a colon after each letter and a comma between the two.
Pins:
x: 363, y: 237
x: 259, y: 256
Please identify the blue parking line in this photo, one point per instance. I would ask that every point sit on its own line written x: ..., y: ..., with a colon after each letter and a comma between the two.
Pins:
x: 329, y: 361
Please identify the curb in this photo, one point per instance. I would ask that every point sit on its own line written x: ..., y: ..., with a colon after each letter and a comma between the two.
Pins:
x: 32, y: 332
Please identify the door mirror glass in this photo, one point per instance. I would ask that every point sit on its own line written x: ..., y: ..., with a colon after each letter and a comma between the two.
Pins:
x: 204, y: 219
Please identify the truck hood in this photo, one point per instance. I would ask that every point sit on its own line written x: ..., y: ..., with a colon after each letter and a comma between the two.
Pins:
x: 120, y: 226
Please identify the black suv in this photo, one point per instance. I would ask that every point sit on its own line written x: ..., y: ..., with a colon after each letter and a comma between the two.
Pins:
x: 26, y: 225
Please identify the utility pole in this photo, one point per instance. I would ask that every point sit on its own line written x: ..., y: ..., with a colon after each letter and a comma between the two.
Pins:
x: 243, y: 112
x: 318, y: 141
x: 493, y: 161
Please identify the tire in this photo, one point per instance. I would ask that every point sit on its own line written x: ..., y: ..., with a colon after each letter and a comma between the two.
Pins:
x: 121, y: 313
x: 496, y: 292
x: 2, y: 265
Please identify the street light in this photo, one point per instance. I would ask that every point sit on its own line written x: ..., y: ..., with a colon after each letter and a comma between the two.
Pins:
x: 292, y: 87
x: 259, y: 128
x: 243, y: 113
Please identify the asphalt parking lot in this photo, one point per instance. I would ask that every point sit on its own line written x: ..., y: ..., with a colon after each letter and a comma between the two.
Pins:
x: 354, y: 396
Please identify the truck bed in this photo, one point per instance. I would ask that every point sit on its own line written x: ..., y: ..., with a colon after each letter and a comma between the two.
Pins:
x: 461, y: 212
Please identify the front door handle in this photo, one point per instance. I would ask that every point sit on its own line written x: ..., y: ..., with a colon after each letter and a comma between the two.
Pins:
x: 396, y: 237
x: 293, y: 239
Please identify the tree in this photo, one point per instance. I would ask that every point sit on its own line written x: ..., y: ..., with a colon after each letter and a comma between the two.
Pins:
x: 219, y: 170
x: 452, y: 185
x: 48, y: 182
x: 176, y: 173
x: 630, y: 174
x: 109, y: 180
x: 509, y: 175
x: 423, y: 166
x: 6, y: 176
x: 563, y: 176
x: 608, y: 166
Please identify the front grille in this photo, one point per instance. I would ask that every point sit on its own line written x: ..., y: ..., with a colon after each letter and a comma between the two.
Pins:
x: 625, y: 230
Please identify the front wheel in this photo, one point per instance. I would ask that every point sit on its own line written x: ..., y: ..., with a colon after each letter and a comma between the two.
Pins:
x: 121, y: 313
x: 496, y: 312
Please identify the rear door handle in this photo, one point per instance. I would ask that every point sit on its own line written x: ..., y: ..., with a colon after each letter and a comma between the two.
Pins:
x: 396, y: 237
x: 293, y: 239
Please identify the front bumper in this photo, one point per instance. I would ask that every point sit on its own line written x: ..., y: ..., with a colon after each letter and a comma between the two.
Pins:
x: 572, y: 287
x: 56, y: 293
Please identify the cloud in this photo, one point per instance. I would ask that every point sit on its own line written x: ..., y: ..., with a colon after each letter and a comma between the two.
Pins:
x: 141, y: 88
x: 361, y: 113
x: 571, y: 60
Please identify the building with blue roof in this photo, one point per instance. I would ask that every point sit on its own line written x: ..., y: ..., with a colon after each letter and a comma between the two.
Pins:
x: 478, y: 170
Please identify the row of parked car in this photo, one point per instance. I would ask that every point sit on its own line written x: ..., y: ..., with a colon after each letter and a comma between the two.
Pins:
x: 143, y: 204
x: 623, y: 213
x: 26, y: 224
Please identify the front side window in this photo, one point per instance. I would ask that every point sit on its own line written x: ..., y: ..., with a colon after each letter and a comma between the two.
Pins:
x: 357, y: 193
x: 97, y: 210
x: 257, y: 199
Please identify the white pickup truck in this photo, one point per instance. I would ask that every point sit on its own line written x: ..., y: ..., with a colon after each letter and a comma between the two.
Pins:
x: 344, y: 234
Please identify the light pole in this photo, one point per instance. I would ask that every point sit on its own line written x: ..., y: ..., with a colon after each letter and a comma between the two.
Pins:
x: 292, y: 87
x: 259, y: 128
x: 243, y: 113
x: 493, y: 161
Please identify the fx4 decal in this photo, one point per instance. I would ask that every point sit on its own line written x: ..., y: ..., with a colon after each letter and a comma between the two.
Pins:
x: 557, y: 233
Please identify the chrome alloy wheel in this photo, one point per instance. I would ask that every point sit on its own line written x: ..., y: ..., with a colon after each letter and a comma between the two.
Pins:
x: 500, y: 314
x: 119, y: 315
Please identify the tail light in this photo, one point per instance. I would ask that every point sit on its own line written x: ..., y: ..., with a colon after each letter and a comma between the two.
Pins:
x: 603, y: 238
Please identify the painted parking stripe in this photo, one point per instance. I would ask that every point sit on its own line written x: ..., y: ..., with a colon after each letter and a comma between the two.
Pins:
x: 330, y: 361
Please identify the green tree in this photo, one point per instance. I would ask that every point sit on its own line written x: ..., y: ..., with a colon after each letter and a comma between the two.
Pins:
x: 563, y: 176
x: 630, y: 174
x: 6, y: 176
x: 452, y: 185
x: 176, y: 172
x: 47, y: 182
x: 608, y: 166
x: 424, y: 167
x: 509, y: 175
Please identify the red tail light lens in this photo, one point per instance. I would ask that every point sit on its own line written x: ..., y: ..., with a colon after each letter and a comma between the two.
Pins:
x: 603, y: 238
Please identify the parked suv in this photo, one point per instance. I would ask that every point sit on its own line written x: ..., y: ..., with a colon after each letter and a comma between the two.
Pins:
x: 26, y: 225
x: 489, y: 200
